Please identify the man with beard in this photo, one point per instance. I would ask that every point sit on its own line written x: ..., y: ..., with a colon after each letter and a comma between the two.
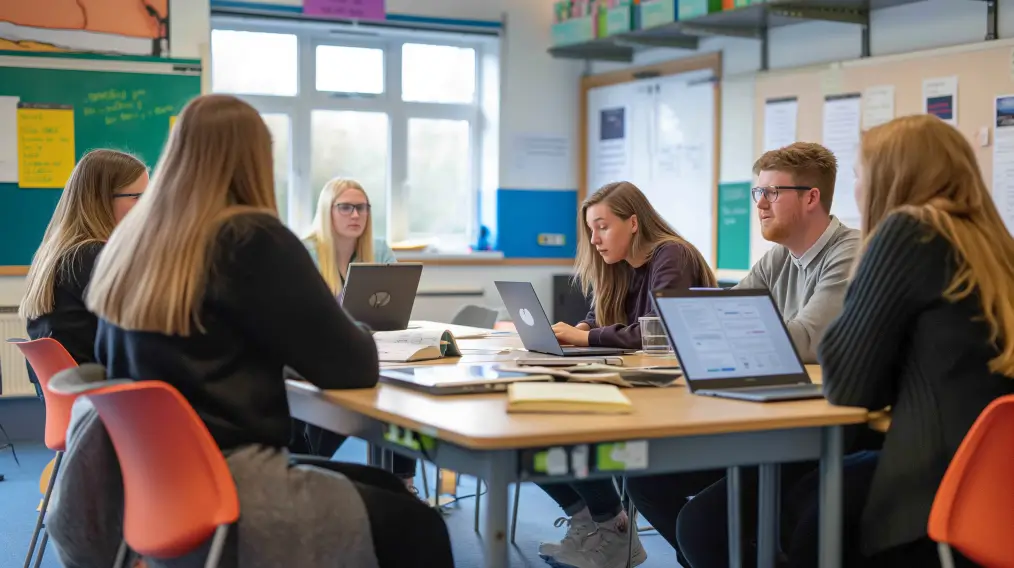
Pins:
x: 807, y: 271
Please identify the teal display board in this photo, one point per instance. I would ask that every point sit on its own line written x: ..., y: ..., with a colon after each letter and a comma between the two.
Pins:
x: 122, y: 111
x: 734, y: 210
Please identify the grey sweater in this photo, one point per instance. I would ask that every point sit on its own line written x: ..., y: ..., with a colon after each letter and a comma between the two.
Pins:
x: 809, y: 290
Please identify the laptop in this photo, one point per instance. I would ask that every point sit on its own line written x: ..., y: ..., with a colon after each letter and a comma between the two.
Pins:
x: 381, y: 295
x: 733, y: 344
x: 533, y: 326
x: 456, y: 379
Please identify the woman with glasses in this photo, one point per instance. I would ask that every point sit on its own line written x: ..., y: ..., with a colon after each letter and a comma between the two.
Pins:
x: 342, y: 234
x: 102, y: 189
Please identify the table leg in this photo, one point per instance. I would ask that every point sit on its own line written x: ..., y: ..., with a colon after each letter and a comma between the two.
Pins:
x: 494, y: 534
x: 733, y: 499
x: 831, y: 460
x: 767, y: 515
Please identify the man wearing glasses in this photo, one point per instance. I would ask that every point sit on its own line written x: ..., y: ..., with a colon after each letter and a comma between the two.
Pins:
x: 808, y: 271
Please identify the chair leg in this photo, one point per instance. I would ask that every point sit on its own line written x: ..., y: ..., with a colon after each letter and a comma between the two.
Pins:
x: 478, y: 501
x: 426, y: 483
x: 946, y: 556
x: 42, y: 548
x: 514, y: 515
x: 42, y: 510
x: 121, y: 556
x: 217, y: 546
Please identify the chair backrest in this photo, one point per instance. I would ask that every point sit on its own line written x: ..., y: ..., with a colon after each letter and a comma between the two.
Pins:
x: 974, y: 506
x: 177, y: 486
x: 475, y: 316
x: 48, y: 357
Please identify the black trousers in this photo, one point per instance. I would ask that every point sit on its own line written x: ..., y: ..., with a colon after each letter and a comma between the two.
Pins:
x: 311, y: 440
x: 599, y: 495
x: 406, y: 532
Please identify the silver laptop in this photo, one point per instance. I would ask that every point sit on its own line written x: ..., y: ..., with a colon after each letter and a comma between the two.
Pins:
x: 381, y: 295
x: 456, y: 379
x: 733, y: 344
x: 533, y: 326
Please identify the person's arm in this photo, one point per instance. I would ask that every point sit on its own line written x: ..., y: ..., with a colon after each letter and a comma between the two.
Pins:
x: 900, y: 273
x: 383, y: 253
x: 759, y: 275
x: 808, y: 326
x: 277, y: 298
x: 589, y: 320
x: 672, y: 267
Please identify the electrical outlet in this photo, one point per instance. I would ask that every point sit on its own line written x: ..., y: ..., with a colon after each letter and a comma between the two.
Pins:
x: 551, y: 240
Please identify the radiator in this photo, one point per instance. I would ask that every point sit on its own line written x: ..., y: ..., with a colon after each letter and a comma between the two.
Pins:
x: 13, y: 372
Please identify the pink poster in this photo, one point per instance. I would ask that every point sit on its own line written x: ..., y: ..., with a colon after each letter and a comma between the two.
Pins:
x: 345, y: 9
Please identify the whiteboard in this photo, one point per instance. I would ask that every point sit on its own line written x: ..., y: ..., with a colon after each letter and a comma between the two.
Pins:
x: 659, y: 134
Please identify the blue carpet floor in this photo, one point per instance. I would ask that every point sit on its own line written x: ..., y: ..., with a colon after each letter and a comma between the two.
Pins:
x: 19, y: 496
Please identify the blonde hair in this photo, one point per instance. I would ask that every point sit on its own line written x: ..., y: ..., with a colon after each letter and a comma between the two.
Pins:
x: 920, y: 166
x: 217, y: 164
x: 322, y: 234
x: 808, y: 163
x: 609, y: 283
x: 83, y: 215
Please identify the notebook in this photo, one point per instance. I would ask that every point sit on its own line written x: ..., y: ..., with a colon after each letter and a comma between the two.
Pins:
x: 415, y: 345
x: 567, y: 398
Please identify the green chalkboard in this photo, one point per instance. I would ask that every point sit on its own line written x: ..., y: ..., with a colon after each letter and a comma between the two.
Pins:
x: 123, y: 111
x: 734, y: 210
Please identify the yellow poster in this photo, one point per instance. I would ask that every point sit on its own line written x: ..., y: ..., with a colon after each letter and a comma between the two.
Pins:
x: 45, y: 145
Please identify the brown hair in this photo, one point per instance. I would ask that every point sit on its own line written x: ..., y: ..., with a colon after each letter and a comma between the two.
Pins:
x: 217, y: 164
x: 609, y: 283
x: 83, y: 215
x: 809, y: 164
x: 322, y: 235
x: 920, y: 166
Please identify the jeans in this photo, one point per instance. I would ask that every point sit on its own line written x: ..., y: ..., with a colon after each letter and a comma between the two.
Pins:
x: 598, y: 495
x: 310, y: 440
x: 406, y: 532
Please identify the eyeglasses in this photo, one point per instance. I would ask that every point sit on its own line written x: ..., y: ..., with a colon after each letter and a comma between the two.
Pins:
x: 134, y: 196
x: 347, y: 208
x: 770, y: 192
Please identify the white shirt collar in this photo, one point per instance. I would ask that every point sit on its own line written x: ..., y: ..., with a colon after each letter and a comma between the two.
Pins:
x: 808, y: 257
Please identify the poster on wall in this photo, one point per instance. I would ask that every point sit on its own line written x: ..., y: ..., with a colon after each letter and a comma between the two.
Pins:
x: 117, y: 27
x: 842, y: 117
x: 1003, y: 159
x: 780, y: 117
x: 611, y: 153
x: 940, y: 98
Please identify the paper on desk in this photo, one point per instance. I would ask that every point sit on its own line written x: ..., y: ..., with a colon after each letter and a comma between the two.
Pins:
x: 9, y: 139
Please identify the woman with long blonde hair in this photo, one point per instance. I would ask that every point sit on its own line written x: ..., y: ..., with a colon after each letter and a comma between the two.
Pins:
x: 625, y: 251
x: 102, y: 189
x: 202, y: 287
x: 342, y: 233
x: 927, y: 328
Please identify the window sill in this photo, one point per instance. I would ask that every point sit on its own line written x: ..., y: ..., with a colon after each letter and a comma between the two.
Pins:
x: 481, y: 258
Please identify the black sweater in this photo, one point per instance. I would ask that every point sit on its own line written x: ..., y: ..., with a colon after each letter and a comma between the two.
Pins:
x: 70, y: 322
x: 265, y: 307
x: 899, y: 343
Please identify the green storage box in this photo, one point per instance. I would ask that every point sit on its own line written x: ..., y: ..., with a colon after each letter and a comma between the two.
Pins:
x: 575, y: 30
x: 696, y: 8
x: 616, y: 21
x: 656, y: 13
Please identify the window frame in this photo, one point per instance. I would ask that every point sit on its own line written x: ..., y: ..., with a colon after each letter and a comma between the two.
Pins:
x: 310, y: 35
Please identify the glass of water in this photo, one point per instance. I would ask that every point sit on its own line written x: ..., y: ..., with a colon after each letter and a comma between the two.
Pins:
x: 654, y: 341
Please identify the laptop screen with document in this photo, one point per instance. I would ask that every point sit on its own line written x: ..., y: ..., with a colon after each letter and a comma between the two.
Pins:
x: 728, y: 335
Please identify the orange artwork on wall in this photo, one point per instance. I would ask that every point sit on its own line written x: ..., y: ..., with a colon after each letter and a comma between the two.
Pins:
x: 126, y: 27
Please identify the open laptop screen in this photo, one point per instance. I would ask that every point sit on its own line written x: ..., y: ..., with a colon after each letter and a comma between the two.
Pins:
x: 728, y: 337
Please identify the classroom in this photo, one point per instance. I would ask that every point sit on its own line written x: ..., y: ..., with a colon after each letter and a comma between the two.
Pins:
x: 506, y: 283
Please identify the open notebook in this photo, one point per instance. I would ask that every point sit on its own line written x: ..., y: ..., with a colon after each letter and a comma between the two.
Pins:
x: 411, y: 345
x: 625, y: 377
x: 567, y: 398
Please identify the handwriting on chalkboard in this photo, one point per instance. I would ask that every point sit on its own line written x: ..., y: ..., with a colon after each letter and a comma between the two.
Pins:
x: 45, y: 145
x: 122, y: 105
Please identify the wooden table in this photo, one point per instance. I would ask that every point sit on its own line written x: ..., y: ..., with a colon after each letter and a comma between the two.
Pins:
x: 669, y: 431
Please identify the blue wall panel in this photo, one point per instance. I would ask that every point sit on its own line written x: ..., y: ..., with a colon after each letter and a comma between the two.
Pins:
x: 523, y: 215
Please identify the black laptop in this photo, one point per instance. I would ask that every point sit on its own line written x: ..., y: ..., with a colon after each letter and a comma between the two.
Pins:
x: 533, y: 326
x: 733, y: 344
x: 381, y: 295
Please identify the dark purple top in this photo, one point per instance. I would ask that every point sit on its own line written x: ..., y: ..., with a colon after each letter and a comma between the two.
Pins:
x: 670, y: 266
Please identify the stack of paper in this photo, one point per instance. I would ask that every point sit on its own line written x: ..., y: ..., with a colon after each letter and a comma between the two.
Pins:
x: 568, y: 398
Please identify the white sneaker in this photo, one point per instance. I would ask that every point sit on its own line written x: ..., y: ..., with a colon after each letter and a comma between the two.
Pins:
x: 606, y: 548
x: 579, y: 527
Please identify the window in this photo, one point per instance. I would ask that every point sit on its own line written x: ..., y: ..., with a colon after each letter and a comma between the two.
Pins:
x: 404, y: 113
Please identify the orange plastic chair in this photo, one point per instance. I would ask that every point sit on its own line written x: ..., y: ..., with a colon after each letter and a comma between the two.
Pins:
x: 48, y: 357
x: 178, y: 490
x: 974, y: 506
